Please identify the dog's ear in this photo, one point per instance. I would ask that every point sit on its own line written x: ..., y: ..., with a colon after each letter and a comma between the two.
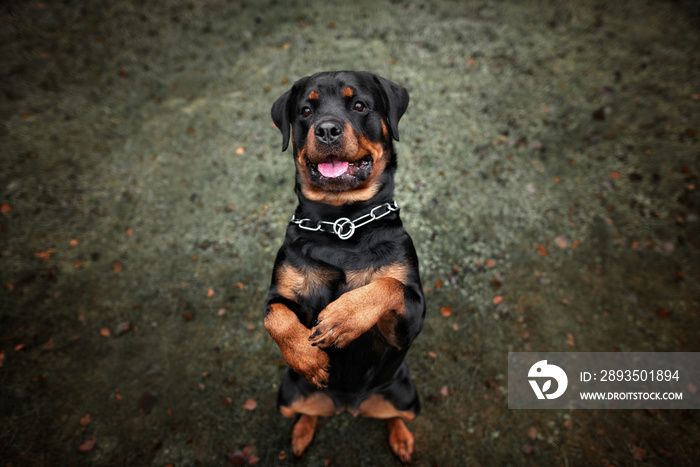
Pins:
x: 396, y: 102
x: 280, y: 115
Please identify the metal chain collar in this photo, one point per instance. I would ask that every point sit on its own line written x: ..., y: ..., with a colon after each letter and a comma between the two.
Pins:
x: 344, y: 228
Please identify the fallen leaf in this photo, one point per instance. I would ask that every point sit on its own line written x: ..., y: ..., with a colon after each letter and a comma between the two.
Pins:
x: 497, y: 299
x: 85, y: 421
x: 5, y: 208
x: 638, y: 453
x: 49, y: 344
x: 236, y: 458
x: 227, y: 400
x: 438, y: 285
x: 490, y: 263
x: 570, y: 340
x: 104, y: 332
x: 444, y: 391
x: 541, y: 250
x: 562, y: 241
x: 250, y: 404
x: 532, y: 432
x: 251, y: 453
x: 663, y: 313
x: 117, y: 267
x: 445, y: 311
x: 45, y: 255
x: 240, y: 150
x: 432, y: 354
x: 121, y: 328
x: 87, y: 445
x: 210, y: 293
x: 73, y: 242
x: 615, y: 174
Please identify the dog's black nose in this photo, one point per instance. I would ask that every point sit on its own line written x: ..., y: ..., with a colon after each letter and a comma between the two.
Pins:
x: 328, y: 132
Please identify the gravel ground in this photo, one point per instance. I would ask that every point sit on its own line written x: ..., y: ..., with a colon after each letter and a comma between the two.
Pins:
x: 548, y: 176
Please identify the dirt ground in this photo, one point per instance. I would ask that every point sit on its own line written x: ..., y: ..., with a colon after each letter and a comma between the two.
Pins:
x: 548, y: 175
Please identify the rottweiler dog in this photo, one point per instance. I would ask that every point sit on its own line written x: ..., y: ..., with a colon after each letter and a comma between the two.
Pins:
x: 345, y: 301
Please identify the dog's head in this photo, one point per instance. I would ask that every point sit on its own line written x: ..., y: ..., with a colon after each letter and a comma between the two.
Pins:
x: 342, y: 126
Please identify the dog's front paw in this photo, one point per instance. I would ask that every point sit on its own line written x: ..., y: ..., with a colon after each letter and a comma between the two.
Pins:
x: 337, y: 326
x: 313, y: 364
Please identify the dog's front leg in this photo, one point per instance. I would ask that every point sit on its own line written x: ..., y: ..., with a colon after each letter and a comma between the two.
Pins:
x: 381, y: 302
x: 292, y: 338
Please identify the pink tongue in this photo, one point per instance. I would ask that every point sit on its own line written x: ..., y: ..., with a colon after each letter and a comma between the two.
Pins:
x: 332, y: 167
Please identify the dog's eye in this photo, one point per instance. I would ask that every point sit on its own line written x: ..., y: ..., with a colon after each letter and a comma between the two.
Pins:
x: 305, y: 112
x: 359, y: 106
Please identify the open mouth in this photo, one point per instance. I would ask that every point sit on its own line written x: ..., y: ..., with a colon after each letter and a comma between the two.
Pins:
x: 334, y: 169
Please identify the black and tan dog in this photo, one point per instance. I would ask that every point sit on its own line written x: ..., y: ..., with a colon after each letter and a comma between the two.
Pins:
x: 346, y: 300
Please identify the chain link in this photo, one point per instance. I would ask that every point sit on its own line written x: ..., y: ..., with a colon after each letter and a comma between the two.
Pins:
x: 345, y: 228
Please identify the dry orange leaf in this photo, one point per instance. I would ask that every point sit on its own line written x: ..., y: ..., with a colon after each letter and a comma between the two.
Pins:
x: 104, y: 332
x: 85, y: 421
x: 615, y: 174
x: 432, y: 354
x: 438, y: 285
x: 45, y: 255
x: 541, y: 250
x: 498, y: 299
x: 570, y: 340
x: 240, y: 150
x: 250, y: 404
x: 87, y: 445
x: 73, y: 242
x: 5, y: 208
x: 561, y: 241
x: 210, y: 293
x: 446, y: 311
x: 117, y: 267
x: 490, y: 263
